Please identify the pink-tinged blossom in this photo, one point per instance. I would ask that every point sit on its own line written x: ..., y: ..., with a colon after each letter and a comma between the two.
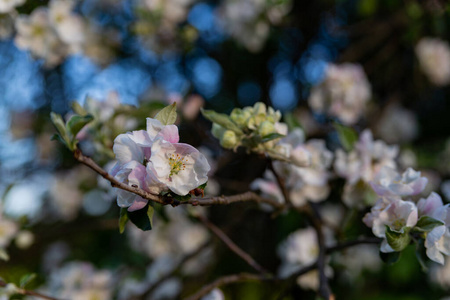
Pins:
x: 343, y: 93
x: 179, y: 166
x: 389, y: 182
x: 154, y: 161
x: 360, y: 166
x: 437, y: 241
x: 395, y: 213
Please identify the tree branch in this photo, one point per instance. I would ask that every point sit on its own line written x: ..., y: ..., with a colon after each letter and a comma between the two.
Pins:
x: 221, y: 200
x: 232, y: 246
x: 28, y: 293
x: 227, y: 280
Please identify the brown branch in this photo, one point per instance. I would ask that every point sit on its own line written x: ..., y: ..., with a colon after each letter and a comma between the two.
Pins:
x: 28, y: 292
x: 224, y: 200
x: 227, y: 280
x: 232, y: 246
x: 221, y: 200
x: 281, y: 184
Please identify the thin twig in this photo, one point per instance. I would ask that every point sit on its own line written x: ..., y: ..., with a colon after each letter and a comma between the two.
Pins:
x: 281, y: 184
x: 231, y: 245
x: 28, y: 292
x: 224, y: 200
x: 176, y: 269
x: 220, y: 200
x: 227, y: 280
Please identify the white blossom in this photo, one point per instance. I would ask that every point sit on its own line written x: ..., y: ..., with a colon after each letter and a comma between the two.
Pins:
x: 7, y: 6
x: 434, y: 59
x: 343, y: 93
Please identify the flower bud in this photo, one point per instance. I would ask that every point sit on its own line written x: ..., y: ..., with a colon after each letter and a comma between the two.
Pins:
x: 229, y: 139
x: 266, y: 128
x: 240, y: 117
x: 217, y: 130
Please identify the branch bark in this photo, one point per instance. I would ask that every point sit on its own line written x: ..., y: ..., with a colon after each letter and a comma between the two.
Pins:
x: 232, y: 246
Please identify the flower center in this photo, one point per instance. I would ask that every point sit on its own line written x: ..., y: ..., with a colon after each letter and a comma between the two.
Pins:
x: 176, y: 163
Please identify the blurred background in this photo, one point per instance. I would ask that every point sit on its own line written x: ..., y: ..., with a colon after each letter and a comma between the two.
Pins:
x: 123, y: 60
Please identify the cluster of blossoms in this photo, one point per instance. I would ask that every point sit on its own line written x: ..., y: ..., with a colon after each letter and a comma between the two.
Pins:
x: 343, y: 93
x: 306, y: 179
x: 257, y: 128
x: 155, y: 161
x: 52, y: 33
x: 360, y: 166
x: 398, y: 220
x: 434, y: 59
x: 249, y: 21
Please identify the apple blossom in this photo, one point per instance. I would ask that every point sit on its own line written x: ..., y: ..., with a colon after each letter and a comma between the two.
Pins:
x: 434, y: 58
x: 389, y: 182
x: 7, y: 6
x: 343, y: 93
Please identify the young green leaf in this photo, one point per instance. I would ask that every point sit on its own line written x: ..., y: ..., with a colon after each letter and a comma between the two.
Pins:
x: 347, y: 136
x: 123, y: 219
x: 426, y: 224
x: 26, y: 279
x: 167, y: 115
x: 291, y: 121
x: 64, y: 136
x: 76, y: 123
x: 221, y: 119
x: 142, y: 218
x: 397, y: 240
x: 421, y: 254
x: 78, y: 109
x: 271, y: 137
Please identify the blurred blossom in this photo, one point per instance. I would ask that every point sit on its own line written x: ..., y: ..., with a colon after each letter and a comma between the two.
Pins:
x: 434, y: 59
x: 24, y: 239
x: 434, y: 181
x: 54, y: 255
x: 191, y: 107
x: 81, y: 281
x: 8, y: 230
x: 343, y: 93
x: 397, y: 125
x: 361, y: 165
x: 440, y: 275
x: 65, y: 193
x: 215, y: 294
x: 248, y: 21
x: 21, y: 125
x: 332, y: 215
x: 407, y: 159
x: 174, y: 239
x: 445, y: 188
x: 358, y: 258
x: 7, y: 6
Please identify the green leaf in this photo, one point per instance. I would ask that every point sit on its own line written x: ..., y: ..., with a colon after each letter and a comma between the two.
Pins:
x: 61, y: 128
x: 390, y: 258
x: 426, y: 224
x: 271, y: 137
x: 142, y: 218
x: 123, y: 219
x: 78, y: 109
x: 291, y: 121
x: 398, y: 240
x: 347, y: 136
x: 26, y: 279
x: 203, y: 186
x: 221, y: 119
x: 421, y: 254
x: 167, y: 115
x: 76, y: 123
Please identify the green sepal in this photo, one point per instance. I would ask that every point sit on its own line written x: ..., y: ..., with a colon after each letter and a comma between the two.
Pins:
x: 203, y: 186
x: 64, y: 135
x: 390, y: 258
x: 123, y: 219
x: 271, y: 137
x: 421, y: 254
x: 221, y: 119
x: 167, y: 115
x: 78, y: 109
x: 143, y: 218
x: 426, y: 224
x: 77, y: 122
x: 347, y: 136
x: 398, y: 240
x: 25, y: 279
